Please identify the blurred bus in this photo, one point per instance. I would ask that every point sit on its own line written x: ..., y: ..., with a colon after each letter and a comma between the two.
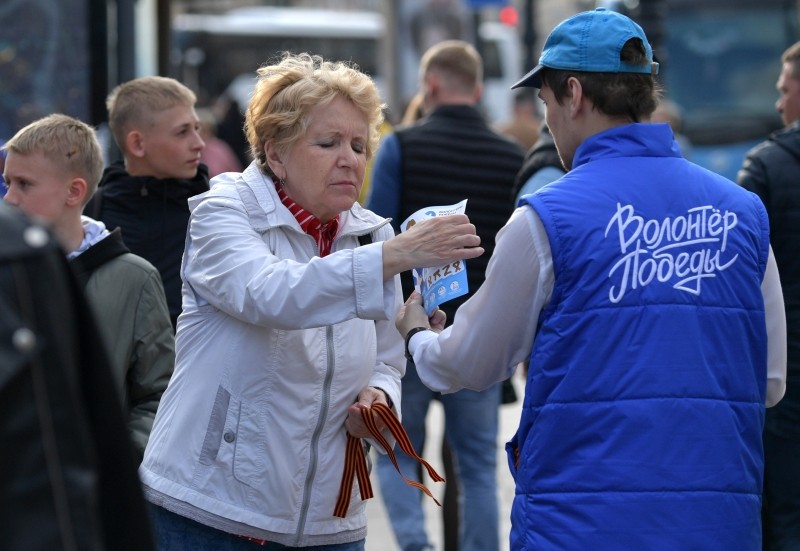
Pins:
x: 218, y: 53
x: 720, y: 62
x: 422, y: 23
x: 215, y: 53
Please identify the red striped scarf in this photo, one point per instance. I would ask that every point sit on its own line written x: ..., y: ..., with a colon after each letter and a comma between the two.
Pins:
x: 323, y: 234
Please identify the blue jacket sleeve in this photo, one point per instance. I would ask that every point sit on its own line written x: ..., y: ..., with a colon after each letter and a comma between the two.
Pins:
x: 384, y: 196
x: 539, y: 179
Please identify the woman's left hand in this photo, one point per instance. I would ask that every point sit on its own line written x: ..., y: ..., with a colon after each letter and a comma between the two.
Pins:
x: 355, y: 423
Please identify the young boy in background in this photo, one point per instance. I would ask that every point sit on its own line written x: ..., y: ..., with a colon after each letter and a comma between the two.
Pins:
x: 52, y: 169
x: 154, y: 123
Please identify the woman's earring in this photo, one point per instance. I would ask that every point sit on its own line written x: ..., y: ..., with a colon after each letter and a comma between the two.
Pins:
x: 282, y: 182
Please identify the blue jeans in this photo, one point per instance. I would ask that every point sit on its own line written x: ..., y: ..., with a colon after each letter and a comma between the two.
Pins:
x: 471, y: 425
x: 781, y: 505
x: 177, y: 533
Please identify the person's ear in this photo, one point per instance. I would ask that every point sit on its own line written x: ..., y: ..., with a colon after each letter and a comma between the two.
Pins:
x: 134, y: 143
x: 575, y: 95
x: 274, y: 159
x: 76, y: 192
x: 430, y: 88
x: 478, y: 92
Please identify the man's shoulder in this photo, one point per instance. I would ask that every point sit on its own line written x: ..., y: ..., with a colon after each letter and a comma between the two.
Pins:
x: 508, y: 143
x: 126, y: 273
x: 123, y: 287
x: 134, y: 263
x: 118, y: 182
x: 111, y: 253
x: 114, y: 174
x: 458, y: 124
x: 781, y: 141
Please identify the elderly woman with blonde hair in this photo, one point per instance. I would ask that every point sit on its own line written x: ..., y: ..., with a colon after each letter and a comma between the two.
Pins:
x: 289, y: 289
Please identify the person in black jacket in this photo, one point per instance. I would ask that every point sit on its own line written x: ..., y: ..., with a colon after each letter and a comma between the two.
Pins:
x: 155, y: 125
x: 772, y: 170
x: 541, y: 166
x: 67, y: 473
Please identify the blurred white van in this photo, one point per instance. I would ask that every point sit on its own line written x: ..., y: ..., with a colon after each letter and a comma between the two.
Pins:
x: 216, y: 53
x: 502, y: 66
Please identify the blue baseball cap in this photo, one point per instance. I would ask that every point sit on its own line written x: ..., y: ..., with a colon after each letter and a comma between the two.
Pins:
x: 590, y: 42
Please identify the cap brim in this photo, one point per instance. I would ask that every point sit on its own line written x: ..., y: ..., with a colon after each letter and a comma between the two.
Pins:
x: 531, y: 80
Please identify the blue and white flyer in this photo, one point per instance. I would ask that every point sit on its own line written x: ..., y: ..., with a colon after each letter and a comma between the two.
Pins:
x: 440, y: 284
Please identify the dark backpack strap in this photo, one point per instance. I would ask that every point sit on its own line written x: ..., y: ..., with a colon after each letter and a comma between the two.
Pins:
x: 365, y: 239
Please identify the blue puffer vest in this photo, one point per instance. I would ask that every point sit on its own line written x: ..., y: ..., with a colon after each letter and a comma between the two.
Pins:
x: 641, y: 424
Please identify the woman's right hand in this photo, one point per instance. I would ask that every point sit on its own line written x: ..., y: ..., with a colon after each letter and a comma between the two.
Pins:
x: 433, y: 242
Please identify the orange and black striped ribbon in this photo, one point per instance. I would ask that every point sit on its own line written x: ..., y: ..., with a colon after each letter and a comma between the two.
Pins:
x: 355, y: 464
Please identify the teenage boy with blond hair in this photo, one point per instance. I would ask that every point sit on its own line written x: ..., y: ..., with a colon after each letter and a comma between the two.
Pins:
x: 154, y: 123
x: 52, y: 169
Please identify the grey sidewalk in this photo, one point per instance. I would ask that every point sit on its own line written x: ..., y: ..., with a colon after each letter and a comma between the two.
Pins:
x: 380, y: 537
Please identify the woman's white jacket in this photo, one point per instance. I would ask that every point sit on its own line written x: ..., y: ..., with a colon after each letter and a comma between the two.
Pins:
x: 273, y: 345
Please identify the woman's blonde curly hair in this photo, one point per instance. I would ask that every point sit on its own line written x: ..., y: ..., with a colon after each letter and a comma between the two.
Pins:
x: 287, y: 91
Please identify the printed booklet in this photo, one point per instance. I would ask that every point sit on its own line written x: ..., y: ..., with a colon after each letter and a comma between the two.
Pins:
x: 438, y: 285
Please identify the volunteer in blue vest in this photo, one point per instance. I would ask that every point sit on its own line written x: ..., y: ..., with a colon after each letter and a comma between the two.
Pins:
x: 645, y: 294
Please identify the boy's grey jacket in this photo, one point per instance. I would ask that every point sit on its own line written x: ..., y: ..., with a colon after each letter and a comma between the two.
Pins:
x: 127, y: 297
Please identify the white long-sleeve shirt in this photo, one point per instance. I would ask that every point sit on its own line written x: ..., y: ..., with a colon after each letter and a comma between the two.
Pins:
x: 494, y: 331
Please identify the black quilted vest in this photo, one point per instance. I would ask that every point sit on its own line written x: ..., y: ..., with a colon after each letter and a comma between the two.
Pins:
x: 452, y: 155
